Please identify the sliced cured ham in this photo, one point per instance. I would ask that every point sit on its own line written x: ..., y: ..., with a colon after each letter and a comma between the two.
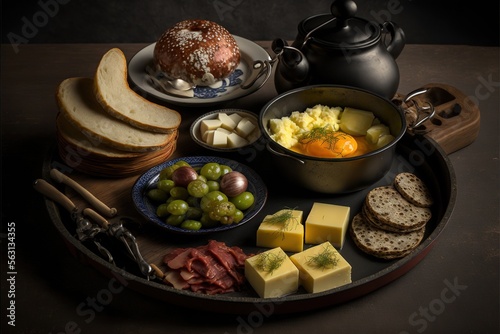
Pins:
x: 211, y: 269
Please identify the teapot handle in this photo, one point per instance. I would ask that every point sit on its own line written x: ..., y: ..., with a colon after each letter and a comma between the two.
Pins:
x: 398, y: 39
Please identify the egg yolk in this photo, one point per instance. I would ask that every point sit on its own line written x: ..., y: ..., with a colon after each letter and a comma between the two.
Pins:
x: 339, y: 145
x: 363, y: 146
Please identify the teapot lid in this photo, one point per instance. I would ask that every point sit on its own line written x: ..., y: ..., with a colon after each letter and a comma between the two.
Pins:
x: 340, y: 28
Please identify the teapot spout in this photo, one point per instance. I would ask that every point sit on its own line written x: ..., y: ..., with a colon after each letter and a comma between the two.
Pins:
x: 293, y: 67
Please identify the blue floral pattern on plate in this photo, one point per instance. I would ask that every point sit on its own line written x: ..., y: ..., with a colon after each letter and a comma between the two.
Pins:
x: 207, y: 92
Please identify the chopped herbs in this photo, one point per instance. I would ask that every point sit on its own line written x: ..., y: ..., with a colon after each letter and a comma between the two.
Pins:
x: 325, y: 134
x: 329, y: 139
x: 285, y: 218
x: 269, y: 262
x: 327, y: 259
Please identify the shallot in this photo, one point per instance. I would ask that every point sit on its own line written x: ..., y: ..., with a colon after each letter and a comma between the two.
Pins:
x: 233, y: 183
x: 183, y: 175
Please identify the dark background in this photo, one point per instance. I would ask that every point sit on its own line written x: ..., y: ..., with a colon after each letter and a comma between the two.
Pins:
x: 133, y: 21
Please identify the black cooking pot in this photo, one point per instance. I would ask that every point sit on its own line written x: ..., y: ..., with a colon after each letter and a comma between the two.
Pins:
x: 339, y: 48
x: 335, y: 175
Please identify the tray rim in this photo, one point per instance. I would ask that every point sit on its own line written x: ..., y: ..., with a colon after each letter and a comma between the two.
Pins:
x: 245, y: 305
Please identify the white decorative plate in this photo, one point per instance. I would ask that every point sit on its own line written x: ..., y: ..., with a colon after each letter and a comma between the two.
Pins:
x: 227, y: 90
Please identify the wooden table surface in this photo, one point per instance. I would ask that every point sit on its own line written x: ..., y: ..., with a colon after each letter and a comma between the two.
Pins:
x: 455, y: 289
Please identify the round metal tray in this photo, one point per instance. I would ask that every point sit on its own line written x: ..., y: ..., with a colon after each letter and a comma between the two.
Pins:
x: 420, y: 155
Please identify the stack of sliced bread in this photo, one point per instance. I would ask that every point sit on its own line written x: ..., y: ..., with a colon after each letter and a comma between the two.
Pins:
x: 393, y: 218
x: 105, y: 128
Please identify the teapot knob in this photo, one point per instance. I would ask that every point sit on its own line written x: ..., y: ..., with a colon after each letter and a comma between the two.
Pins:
x: 343, y: 10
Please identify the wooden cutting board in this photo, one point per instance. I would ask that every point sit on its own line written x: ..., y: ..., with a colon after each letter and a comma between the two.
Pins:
x: 456, y: 122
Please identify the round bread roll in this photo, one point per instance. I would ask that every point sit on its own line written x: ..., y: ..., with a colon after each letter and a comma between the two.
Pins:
x: 200, y: 52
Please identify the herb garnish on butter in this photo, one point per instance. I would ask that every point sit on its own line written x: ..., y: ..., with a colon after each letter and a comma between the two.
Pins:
x: 269, y: 262
x: 283, y: 218
x: 326, y: 259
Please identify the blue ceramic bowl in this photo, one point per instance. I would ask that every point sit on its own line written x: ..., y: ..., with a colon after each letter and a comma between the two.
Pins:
x: 149, y: 179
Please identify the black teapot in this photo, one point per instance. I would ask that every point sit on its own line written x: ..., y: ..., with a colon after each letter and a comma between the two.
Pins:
x: 339, y: 48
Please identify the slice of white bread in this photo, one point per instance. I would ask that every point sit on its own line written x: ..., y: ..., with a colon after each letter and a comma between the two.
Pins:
x: 118, y: 99
x: 77, y: 102
x: 74, y: 137
x: 96, y: 158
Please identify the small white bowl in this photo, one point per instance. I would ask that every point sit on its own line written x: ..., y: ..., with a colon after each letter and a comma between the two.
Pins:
x: 195, y: 130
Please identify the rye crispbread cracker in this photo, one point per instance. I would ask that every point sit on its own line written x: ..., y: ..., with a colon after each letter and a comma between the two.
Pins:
x: 370, y: 218
x: 413, y: 189
x: 390, y: 208
x: 380, y: 243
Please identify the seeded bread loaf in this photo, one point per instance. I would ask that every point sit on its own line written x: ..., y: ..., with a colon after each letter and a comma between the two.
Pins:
x: 77, y: 102
x: 200, y: 52
x: 114, y: 94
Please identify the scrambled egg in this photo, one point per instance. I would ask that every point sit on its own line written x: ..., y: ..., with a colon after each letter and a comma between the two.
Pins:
x: 288, y: 130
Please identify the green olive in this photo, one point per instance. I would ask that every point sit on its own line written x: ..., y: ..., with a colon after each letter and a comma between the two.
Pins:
x: 238, y: 216
x: 177, y: 207
x: 165, y: 185
x: 157, y: 195
x: 190, y: 224
x: 175, y: 220
x: 225, y: 169
x: 197, y: 188
x: 243, y: 201
x: 162, y: 210
x: 166, y: 173
x: 211, y: 170
x: 179, y: 192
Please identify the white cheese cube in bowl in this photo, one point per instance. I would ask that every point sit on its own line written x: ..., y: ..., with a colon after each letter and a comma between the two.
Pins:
x: 235, y: 117
x: 219, y: 138
x: 210, y: 124
x: 207, y: 134
x: 234, y: 140
x: 245, y: 127
x: 227, y: 122
x: 226, y: 130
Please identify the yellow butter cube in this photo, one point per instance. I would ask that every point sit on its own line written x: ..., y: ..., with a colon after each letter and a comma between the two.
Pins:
x: 283, y: 229
x: 322, y: 268
x: 272, y: 273
x: 327, y: 222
